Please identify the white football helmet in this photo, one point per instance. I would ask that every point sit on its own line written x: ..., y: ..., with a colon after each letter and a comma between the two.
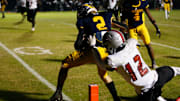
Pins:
x: 112, y: 40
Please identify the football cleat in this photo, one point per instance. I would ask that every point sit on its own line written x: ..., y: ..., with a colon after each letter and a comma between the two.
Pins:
x: 33, y: 29
x: 57, y: 96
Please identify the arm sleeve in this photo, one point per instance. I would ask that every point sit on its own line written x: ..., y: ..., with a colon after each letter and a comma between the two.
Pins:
x: 121, y: 24
x: 78, y: 42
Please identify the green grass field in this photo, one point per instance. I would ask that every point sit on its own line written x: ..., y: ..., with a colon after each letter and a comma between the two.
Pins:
x: 57, y: 32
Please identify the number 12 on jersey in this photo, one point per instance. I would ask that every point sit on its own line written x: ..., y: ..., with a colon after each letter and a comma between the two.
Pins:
x: 141, y: 71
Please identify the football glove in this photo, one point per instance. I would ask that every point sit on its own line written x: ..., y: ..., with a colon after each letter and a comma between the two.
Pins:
x: 158, y: 33
x: 82, y: 43
x: 92, y: 40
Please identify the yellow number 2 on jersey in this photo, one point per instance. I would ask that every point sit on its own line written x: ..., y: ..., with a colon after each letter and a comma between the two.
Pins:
x: 101, y: 23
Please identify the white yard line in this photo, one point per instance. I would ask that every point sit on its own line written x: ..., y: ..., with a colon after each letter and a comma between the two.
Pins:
x: 170, y: 25
x: 163, y: 45
x: 70, y: 24
x: 167, y: 46
x: 32, y: 71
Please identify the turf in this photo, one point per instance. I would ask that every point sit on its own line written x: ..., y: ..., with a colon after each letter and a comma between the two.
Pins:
x: 57, y: 32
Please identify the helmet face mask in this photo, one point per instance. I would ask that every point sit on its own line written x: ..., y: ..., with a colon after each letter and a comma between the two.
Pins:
x: 113, y: 40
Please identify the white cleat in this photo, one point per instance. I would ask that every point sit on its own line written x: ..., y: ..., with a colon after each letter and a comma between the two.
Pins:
x: 33, y: 29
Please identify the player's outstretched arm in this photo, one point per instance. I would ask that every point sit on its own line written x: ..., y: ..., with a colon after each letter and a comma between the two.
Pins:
x: 102, y: 64
x: 121, y: 26
x: 158, y: 33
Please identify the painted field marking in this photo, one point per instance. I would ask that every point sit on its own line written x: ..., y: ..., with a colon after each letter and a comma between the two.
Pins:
x: 35, y: 50
x: 167, y: 46
x: 32, y: 71
x: 162, y: 45
x: 170, y: 25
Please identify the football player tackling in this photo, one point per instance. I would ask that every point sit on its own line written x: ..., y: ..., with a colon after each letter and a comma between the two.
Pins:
x: 89, y: 24
x: 126, y: 59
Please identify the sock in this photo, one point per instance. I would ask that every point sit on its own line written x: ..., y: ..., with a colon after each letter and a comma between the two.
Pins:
x: 113, y: 91
x: 166, y: 14
x: 160, y: 98
x: 176, y: 70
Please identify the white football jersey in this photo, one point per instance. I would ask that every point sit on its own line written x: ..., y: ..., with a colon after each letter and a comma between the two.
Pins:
x: 112, y: 4
x: 132, y: 67
x: 23, y: 3
x: 32, y: 4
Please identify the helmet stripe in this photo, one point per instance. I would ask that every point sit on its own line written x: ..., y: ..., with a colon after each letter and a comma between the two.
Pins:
x: 120, y: 33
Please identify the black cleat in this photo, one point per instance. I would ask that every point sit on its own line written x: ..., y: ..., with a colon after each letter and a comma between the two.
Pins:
x: 57, y: 96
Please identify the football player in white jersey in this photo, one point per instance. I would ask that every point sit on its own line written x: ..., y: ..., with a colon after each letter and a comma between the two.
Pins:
x: 126, y: 59
x: 32, y: 6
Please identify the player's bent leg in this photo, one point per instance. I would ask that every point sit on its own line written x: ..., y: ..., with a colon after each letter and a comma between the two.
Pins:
x: 104, y: 75
x: 151, y: 54
x: 165, y: 74
x: 75, y: 59
x: 176, y: 70
x: 109, y: 83
x: 144, y: 34
x: 57, y: 96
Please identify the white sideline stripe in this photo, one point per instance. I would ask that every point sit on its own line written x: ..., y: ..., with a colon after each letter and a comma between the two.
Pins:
x: 169, y: 25
x: 162, y: 45
x: 73, y: 25
x: 165, y: 46
x: 38, y: 76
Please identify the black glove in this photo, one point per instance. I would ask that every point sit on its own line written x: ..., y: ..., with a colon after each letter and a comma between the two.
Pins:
x: 158, y: 33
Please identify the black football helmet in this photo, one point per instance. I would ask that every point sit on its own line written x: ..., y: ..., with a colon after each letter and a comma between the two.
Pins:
x: 86, y: 9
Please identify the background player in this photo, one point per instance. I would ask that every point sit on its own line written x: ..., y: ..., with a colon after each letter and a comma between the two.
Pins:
x: 32, y: 6
x: 167, y: 4
x: 127, y: 60
x: 89, y: 23
x: 133, y: 11
x: 3, y: 7
x: 113, y: 7
x: 21, y: 7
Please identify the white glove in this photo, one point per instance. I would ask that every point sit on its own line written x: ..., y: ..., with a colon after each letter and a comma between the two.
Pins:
x: 162, y: 5
x: 171, y: 4
x: 92, y: 40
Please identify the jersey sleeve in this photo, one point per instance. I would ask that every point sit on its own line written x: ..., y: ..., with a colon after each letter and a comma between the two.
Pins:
x: 145, y: 4
x: 110, y: 63
x: 78, y: 43
x: 132, y: 42
x: 79, y: 24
